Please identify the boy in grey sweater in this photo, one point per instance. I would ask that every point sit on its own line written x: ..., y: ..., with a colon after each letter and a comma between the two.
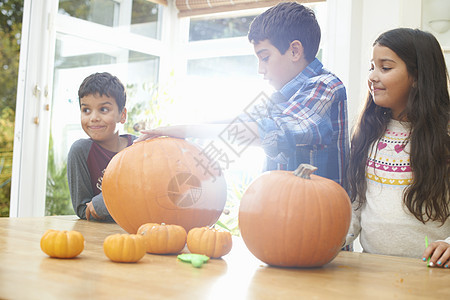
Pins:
x: 102, y: 103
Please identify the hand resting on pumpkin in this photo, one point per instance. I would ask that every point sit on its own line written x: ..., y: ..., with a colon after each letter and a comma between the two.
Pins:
x: 246, y: 131
x: 177, y: 131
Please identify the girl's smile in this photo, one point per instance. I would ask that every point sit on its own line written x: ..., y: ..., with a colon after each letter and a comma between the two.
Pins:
x: 376, y: 90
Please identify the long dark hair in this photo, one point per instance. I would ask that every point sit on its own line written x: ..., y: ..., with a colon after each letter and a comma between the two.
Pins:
x: 427, y: 110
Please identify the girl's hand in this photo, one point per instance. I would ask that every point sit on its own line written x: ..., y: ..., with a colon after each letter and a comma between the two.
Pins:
x: 439, y: 253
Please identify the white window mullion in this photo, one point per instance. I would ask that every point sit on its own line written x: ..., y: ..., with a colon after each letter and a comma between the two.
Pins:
x: 32, y: 124
x: 179, y: 44
x: 219, y: 48
x: 109, y: 35
x: 169, y: 34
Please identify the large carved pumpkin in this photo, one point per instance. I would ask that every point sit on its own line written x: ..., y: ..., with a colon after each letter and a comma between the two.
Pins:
x: 163, y: 180
x: 294, y: 220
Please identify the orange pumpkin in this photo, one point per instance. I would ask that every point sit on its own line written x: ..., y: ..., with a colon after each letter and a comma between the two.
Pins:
x: 128, y: 248
x: 62, y: 244
x: 163, y: 180
x: 163, y: 239
x: 294, y: 219
x: 208, y: 241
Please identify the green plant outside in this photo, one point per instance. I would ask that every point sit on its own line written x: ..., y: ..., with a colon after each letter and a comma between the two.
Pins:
x: 151, y: 113
x: 11, y: 12
x: 57, y: 201
x: 6, y: 153
x: 229, y: 218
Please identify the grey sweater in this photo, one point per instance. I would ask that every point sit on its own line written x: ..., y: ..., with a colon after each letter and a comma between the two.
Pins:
x: 79, y: 178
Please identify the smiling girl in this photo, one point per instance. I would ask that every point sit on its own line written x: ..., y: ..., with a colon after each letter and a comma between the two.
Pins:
x: 399, y: 164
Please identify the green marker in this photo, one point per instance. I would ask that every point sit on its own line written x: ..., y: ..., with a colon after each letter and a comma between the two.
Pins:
x: 426, y: 246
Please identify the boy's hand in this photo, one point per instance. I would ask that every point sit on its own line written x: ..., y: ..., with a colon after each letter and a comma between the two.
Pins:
x: 177, y: 131
x: 90, y: 211
x: 439, y: 253
x: 146, y: 135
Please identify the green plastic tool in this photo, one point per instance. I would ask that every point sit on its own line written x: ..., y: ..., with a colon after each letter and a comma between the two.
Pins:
x: 197, y: 260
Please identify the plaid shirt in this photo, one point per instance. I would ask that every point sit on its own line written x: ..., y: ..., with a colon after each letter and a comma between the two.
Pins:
x: 306, y: 122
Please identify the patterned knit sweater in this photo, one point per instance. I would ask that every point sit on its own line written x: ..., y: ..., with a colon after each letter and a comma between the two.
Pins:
x: 384, y: 223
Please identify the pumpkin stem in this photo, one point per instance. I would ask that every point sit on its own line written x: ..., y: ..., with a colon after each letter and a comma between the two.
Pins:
x: 304, y: 171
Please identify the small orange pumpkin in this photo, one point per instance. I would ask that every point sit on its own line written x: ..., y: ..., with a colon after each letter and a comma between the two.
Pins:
x: 294, y: 219
x: 124, y: 247
x: 163, y: 180
x: 211, y: 242
x: 163, y: 239
x: 62, y: 244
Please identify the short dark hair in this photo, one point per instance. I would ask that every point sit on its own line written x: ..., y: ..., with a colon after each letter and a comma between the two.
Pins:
x: 103, y: 84
x: 285, y: 23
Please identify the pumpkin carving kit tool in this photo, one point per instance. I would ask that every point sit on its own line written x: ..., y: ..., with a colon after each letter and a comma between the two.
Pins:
x: 197, y: 260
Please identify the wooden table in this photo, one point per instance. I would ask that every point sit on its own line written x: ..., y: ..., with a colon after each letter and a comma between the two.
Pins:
x: 27, y: 273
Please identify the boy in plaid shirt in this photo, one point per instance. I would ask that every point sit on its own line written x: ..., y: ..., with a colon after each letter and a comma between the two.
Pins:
x: 305, y: 121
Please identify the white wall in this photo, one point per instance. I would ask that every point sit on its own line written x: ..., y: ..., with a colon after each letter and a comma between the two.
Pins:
x: 353, y: 26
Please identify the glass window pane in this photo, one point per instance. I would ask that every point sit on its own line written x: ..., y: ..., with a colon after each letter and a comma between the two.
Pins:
x: 139, y: 16
x: 97, y: 11
x: 75, y: 59
x: 208, y: 28
x: 145, y: 18
x: 218, y: 88
x: 225, y: 66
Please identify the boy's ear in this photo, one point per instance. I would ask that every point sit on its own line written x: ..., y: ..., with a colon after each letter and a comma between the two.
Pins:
x: 123, y: 115
x: 296, y: 49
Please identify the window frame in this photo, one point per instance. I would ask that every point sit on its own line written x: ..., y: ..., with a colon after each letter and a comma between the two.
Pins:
x: 41, y: 23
